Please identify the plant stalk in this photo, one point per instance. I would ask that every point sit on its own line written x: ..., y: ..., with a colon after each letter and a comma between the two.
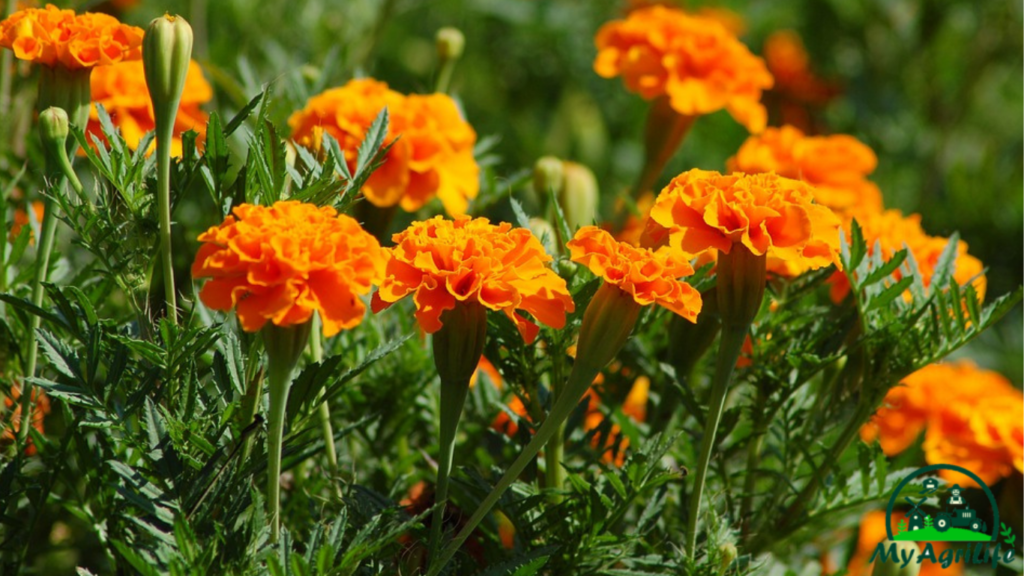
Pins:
x: 163, y: 187
x: 279, y: 377
x: 317, y: 352
x: 453, y: 397
x: 729, y: 350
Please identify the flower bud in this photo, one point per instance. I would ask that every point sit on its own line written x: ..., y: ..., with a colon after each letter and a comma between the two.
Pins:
x: 545, y: 232
x: 450, y: 43
x: 53, y: 127
x: 548, y: 175
x: 727, y: 554
x: 895, y: 566
x: 578, y: 196
x: 166, y: 54
x: 607, y: 323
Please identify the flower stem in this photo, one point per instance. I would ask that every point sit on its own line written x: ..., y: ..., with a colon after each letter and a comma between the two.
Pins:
x: 579, y: 381
x: 453, y: 397
x: 728, y: 352
x: 47, y: 237
x: 316, y: 350
x: 163, y: 187
x: 663, y: 135
x: 279, y: 379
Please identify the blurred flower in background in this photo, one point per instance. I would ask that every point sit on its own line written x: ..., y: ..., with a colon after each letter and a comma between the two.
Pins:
x: 121, y: 90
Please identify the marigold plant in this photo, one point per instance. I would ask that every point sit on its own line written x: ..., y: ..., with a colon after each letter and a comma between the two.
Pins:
x: 431, y: 144
x: 121, y: 89
x: 55, y: 37
x: 283, y: 262
x: 442, y: 262
x: 693, y: 60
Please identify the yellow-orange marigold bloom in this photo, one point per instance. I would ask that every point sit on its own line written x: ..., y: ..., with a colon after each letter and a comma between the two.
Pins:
x: 693, y: 60
x: 836, y: 166
x: 970, y: 417
x: 766, y: 213
x: 649, y: 276
x: 433, y: 154
x: 121, y: 89
x: 444, y: 262
x: 892, y: 232
x: 55, y: 37
x: 283, y: 262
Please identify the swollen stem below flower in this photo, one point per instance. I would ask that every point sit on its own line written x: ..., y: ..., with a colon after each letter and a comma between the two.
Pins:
x: 284, y: 347
x: 607, y: 323
x: 663, y: 134
x: 458, y: 346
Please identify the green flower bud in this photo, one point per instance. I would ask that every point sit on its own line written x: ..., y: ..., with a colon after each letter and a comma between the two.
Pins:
x: 548, y: 175
x: 545, y: 232
x: 166, y: 54
x: 53, y: 127
x: 727, y: 554
x: 68, y: 90
x: 450, y: 43
x: 894, y: 566
x: 578, y: 196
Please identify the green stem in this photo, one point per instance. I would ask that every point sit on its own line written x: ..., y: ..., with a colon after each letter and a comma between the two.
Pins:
x: 279, y: 377
x: 554, y: 475
x: 444, y: 77
x: 47, y: 237
x: 750, y: 481
x: 163, y: 154
x: 728, y: 352
x: 579, y: 380
x: 317, y: 352
x: 453, y: 397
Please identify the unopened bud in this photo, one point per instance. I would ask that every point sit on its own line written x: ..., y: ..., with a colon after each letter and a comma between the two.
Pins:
x: 727, y: 554
x: 166, y: 54
x: 548, y: 175
x: 53, y: 127
x: 579, y: 195
x: 450, y: 43
x: 545, y: 232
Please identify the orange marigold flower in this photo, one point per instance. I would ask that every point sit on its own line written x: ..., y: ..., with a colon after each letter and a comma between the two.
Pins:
x: 892, y: 232
x: 444, y: 262
x: 433, y: 154
x: 766, y: 213
x: 122, y: 91
x: 693, y: 60
x: 55, y: 37
x: 12, y: 403
x: 21, y: 219
x: 281, y: 263
x: 976, y: 423
x: 649, y: 276
x: 836, y: 166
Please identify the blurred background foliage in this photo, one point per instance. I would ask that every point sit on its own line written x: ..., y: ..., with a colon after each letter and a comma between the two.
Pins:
x: 934, y: 87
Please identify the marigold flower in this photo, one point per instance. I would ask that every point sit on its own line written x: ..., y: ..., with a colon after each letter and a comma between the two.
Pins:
x: 55, y: 37
x: 122, y: 91
x: 693, y: 60
x: 12, y: 404
x: 445, y: 262
x: 892, y: 232
x: 281, y: 263
x: 976, y: 424
x: 649, y: 277
x: 433, y: 155
x: 836, y: 166
x: 765, y: 213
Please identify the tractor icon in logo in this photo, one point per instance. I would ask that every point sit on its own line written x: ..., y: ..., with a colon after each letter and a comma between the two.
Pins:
x: 958, y: 517
x: 938, y: 511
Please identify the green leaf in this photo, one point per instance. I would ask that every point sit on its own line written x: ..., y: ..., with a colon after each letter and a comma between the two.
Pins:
x: 526, y: 564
